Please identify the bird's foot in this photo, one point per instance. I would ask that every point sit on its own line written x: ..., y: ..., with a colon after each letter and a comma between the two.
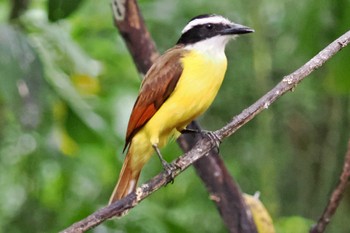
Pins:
x: 169, y: 168
x: 214, y: 138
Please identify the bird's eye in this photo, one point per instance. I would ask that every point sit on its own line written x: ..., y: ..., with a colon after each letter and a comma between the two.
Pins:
x: 209, y: 26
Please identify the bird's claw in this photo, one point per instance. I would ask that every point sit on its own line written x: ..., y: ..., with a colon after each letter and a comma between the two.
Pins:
x: 214, y: 138
x: 169, y: 169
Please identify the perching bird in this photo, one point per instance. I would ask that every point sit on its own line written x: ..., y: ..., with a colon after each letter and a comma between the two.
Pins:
x: 180, y: 86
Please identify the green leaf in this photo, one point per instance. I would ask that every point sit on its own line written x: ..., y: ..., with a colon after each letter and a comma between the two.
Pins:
x: 62, y: 59
x: 293, y: 224
x: 21, y: 75
x: 337, y: 79
x: 60, y: 9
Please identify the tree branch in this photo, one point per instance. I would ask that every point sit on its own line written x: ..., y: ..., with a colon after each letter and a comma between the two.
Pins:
x: 18, y: 8
x: 129, y: 21
x: 222, y: 188
x: 206, y: 144
x: 229, y: 200
x: 288, y: 83
x: 336, y: 196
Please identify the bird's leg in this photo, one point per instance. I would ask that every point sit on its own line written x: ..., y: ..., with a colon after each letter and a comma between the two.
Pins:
x: 168, y: 167
x: 162, y: 160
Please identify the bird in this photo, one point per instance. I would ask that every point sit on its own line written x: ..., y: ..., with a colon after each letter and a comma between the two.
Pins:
x: 180, y: 86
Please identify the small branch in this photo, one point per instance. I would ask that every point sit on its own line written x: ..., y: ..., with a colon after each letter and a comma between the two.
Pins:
x: 288, y: 83
x: 336, y: 196
x: 120, y: 207
x: 205, y: 145
x: 222, y: 188
x: 18, y: 8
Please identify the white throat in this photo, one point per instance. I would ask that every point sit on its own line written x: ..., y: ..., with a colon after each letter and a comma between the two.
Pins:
x: 213, y: 47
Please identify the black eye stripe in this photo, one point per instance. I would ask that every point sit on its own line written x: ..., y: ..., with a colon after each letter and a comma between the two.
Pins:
x: 200, y: 32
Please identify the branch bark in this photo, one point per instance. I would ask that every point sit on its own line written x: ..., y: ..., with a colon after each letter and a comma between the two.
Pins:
x: 206, y: 144
x: 128, y: 19
x: 211, y: 169
x: 222, y: 188
x: 18, y: 8
x: 336, y: 196
x: 288, y: 83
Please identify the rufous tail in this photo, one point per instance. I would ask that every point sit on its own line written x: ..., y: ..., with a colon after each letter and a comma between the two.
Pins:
x: 127, y: 179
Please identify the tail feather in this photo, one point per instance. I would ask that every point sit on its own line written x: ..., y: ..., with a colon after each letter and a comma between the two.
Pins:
x: 139, y: 152
x: 127, y: 180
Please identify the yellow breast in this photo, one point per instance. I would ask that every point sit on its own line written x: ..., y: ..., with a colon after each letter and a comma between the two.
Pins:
x: 196, y: 89
x: 200, y: 81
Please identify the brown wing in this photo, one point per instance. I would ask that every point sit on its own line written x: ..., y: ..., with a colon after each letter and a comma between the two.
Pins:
x: 156, y: 87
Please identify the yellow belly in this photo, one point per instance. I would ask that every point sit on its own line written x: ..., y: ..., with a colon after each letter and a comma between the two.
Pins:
x: 195, y: 91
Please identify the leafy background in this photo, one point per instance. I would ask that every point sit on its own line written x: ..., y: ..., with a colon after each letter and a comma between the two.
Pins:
x: 67, y: 85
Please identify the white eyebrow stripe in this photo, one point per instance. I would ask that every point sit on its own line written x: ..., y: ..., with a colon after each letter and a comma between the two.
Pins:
x: 214, y: 19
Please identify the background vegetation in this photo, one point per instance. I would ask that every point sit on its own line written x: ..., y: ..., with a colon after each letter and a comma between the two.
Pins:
x: 67, y: 85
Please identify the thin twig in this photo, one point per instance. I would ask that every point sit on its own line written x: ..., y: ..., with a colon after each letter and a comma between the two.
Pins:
x: 205, y: 144
x: 288, y: 83
x: 336, y: 196
x: 120, y: 207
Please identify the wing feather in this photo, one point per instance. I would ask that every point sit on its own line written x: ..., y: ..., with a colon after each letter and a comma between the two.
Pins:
x: 157, y: 86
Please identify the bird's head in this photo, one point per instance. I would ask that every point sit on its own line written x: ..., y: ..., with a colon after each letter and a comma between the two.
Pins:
x: 212, y: 29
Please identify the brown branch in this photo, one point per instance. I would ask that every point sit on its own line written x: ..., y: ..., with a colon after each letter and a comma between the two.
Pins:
x: 206, y: 144
x: 18, y: 8
x: 336, y: 196
x: 129, y: 21
x: 229, y: 200
x: 222, y: 188
x: 120, y: 207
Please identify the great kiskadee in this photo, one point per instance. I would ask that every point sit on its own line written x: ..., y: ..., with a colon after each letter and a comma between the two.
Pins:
x: 180, y: 86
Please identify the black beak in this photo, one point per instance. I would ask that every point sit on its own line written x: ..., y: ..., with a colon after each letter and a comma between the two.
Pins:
x: 235, y: 29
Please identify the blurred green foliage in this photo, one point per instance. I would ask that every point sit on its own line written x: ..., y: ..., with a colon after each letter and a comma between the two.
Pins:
x: 67, y: 86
